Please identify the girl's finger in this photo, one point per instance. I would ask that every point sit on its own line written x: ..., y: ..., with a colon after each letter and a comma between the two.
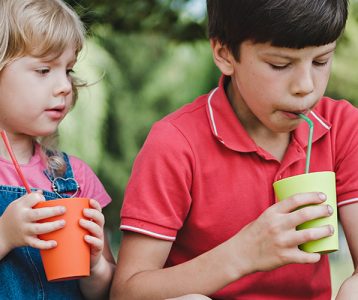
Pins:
x: 41, y: 228
x: 41, y: 244
x: 95, y: 205
x: 46, y: 212
x: 32, y: 199
x: 96, y: 244
x: 92, y: 227
x: 94, y: 215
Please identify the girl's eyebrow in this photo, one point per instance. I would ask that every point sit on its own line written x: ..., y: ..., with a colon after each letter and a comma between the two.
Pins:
x: 55, y: 60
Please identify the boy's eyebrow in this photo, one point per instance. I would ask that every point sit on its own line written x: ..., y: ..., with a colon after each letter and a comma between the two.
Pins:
x: 287, y: 56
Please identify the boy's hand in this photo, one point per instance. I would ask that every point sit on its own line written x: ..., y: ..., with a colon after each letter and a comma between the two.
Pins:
x: 272, y: 240
x: 95, y: 227
x: 19, y: 227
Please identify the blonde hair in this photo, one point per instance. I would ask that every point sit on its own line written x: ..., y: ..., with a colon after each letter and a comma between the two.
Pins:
x: 40, y: 28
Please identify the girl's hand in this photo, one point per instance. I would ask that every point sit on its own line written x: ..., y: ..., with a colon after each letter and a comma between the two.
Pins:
x: 19, y: 227
x: 94, y: 225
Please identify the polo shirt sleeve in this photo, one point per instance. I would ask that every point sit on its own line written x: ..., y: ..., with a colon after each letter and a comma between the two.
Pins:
x: 157, y: 198
x: 345, y: 129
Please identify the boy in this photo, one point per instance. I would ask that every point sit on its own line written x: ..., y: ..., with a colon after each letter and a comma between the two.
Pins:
x: 199, y: 214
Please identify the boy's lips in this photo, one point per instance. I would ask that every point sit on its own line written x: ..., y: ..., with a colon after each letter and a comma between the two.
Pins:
x: 295, y: 114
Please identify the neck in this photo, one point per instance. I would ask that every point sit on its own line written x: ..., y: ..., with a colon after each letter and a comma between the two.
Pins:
x: 23, y: 148
x: 275, y: 143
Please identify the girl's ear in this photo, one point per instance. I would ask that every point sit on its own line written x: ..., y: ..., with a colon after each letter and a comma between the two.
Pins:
x: 223, y: 57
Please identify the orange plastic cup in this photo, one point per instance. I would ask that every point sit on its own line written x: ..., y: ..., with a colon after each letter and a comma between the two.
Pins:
x: 70, y: 259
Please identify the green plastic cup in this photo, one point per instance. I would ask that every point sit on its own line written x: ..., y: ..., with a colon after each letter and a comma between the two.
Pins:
x: 324, y: 182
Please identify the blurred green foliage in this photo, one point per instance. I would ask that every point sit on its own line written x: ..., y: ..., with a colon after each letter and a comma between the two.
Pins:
x: 154, y: 57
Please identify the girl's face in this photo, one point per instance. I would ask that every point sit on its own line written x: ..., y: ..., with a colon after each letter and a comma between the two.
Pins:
x: 36, y: 93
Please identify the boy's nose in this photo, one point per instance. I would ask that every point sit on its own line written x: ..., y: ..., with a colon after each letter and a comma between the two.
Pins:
x: 302, y: 83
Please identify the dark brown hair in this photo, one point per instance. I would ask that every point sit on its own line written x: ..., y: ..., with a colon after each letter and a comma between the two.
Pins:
x: 283, y: 23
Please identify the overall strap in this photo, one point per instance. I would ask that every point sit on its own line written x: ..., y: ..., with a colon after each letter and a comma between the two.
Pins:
x: 65, y: 186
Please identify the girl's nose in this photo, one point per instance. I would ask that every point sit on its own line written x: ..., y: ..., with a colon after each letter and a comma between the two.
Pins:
x: 63, y: 85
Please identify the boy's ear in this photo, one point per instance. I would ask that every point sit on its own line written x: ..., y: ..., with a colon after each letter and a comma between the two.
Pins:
x: 223, y: 57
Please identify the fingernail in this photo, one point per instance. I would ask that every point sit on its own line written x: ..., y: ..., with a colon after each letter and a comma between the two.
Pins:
x: 62, y: 209
x: 330, y: 209
x: 62, y: 223
x: 331, y: 228
x: 322, y: 196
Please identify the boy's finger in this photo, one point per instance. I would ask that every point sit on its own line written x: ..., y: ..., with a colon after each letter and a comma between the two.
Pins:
x: 298, y: 200
x: 311, y: 234
x: 308, y: 213
x: 307, y: 258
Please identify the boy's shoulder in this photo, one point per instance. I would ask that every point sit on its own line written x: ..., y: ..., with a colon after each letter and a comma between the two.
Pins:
x: 197, y: 106
x: 336, y: 111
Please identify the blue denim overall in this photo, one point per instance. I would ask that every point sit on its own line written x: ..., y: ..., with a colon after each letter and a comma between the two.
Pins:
x: 22, y: 275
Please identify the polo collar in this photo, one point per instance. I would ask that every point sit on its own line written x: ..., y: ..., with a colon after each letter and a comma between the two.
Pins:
x: 228, y: 130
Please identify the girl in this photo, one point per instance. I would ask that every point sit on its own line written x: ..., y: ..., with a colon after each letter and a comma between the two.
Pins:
x: 39, y: 43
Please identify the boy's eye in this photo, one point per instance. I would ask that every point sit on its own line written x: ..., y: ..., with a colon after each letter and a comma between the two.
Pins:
x: 320, y: 63
x: 278, y: 67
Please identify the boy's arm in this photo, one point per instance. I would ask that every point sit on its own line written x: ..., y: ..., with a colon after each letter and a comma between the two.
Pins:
x: 267, y: 243
x: 349, y: 219
x: 140, y: 273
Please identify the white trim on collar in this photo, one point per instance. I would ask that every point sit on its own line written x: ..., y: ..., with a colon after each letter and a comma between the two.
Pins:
x: 320, y: 120
x: 211, y: 111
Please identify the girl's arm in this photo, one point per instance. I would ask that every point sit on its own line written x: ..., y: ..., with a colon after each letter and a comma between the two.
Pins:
x: 97, y: 285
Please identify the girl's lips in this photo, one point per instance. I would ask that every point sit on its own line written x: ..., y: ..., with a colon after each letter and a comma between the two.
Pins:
x: 55, y: 114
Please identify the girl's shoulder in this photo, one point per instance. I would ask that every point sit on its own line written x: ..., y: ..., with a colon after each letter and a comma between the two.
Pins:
x: 90, y: 184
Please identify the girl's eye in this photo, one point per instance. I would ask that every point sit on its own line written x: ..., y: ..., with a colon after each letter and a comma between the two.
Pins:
x: 320, y: 63
x: 70, y: 72
x: 43, y: 71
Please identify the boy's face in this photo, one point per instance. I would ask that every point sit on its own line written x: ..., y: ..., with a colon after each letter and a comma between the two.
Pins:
x: 270, y: 85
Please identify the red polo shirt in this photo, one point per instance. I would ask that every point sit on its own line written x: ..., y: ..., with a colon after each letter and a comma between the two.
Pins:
x: 200, y: 178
